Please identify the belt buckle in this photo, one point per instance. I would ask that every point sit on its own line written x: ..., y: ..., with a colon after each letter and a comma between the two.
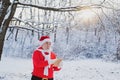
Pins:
x: 44, y: 78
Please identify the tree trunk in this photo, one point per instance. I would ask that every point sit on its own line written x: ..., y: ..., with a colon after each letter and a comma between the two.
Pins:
x: 6, y: 13
x: 118, y: 51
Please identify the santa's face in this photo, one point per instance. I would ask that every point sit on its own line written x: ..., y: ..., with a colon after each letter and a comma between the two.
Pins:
x: 46, y: 45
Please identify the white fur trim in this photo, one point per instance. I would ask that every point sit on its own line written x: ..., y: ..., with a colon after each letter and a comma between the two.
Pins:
x: 45, y: 40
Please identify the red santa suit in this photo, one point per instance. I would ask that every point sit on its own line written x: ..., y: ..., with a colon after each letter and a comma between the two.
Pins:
x: 40, y: 63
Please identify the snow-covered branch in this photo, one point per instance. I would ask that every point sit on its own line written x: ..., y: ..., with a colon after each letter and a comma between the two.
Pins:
x: 36, y: 23
x: 26, y: 28
x: 18, y: 19
x: 32, y: 26
x: 66, y: 9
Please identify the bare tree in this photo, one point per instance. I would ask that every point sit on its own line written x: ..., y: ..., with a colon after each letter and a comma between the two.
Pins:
x: 7, y: 11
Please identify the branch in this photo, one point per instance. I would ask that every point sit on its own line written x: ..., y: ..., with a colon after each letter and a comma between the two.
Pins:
x: 25, y: 22
x: 32, y: 26
x: 41, y: 7
x: 20, y: 27
x: 25, y: 28
x: 67, y: 9
x: 103, y: 2
x: 36, y: 23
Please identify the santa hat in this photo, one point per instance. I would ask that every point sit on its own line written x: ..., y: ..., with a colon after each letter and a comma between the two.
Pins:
x: 44, y: 39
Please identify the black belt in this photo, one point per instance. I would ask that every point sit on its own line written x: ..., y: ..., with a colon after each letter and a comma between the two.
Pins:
x: 38, y: 78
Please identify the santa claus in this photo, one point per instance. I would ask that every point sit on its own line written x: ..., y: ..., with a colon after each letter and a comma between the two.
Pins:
x: 45, y: 61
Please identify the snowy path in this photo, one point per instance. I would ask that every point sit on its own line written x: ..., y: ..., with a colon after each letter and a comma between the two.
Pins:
x: 20, y: 69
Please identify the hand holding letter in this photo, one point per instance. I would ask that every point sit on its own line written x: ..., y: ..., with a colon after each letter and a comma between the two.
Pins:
x: 57, y: 62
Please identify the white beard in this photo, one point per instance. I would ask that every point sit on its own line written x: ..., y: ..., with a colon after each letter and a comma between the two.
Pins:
x: 48, y: 50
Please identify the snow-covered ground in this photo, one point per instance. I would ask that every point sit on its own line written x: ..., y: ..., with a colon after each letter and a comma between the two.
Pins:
x: 88, y: 69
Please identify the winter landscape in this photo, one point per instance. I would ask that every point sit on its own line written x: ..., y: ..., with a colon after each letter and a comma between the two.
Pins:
x: 85, y: 34
x: 88, y: 69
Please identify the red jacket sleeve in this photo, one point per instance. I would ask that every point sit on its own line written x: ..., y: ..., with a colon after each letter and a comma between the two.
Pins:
x: 56, y: 68
x: 38, y: 59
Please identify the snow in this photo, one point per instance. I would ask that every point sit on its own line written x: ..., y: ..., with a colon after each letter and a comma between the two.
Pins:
x: 87, y: 69
x: 11, y: 1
